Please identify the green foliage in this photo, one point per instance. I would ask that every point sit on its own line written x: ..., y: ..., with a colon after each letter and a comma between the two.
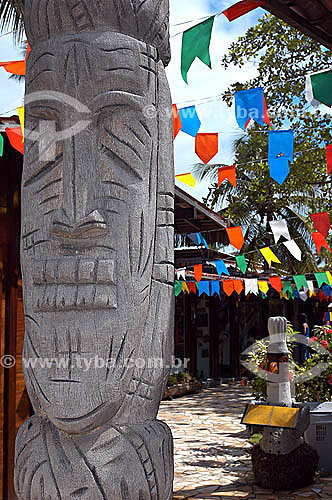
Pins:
x: 284, y: 57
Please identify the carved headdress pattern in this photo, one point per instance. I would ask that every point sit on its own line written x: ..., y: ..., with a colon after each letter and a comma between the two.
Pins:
x: 145, y: 20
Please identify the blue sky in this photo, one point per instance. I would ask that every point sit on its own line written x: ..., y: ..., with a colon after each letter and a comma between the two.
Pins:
x: 203, y: 82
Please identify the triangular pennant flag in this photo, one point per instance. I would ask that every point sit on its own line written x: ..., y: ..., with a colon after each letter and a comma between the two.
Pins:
x: 198, y: 272
x: 294, y: 249
x: 196, y: 43
x: 195, y: 238
x: 250, y: 105
x: 304, y: 295
x: 329, y: 158
x: 283, y: 295
x: 269, y: 256
x: 319, y: 88
x: 329, y: 277
x: 192, y: 287
x: 15, y: 138
x: 279, y: 228
x: 327, y: 290
x: 235, y: 236
x: 241, y: 263
x: 181, y: 273
x: 1, y: 145
x: 311, y: 288
x: 185, y: 287
x: 276, y: 283
x: 281, y: 152
x: 215, y: 288
x: 321, y: 222
x: 320, y: 242
x: 238, y: 286
x: 322, y: 297
x: 263, y: 286
x: 221, y: 268
x: 178, y: 288
x: 300, y: 281
x: 190, y: 121
x: 241, y: 8
x: 187, y: 179
x: 229, y: 173
x: 287, y: 287
x: 16, y: 67
x: 321, y: 279
x: 251, y: 286
x: 206, y: 146
x: 204, y: 287
x: 228, y: 287
x: 177, y: 125
x: 21, y: 118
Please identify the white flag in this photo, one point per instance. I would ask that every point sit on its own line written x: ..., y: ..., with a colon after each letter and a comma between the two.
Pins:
x: 311, y: 286
x: 294, y: 249
x: 304, y: 295
x: 181, y: 273
x: 251, y: 286
x: 279, y: 228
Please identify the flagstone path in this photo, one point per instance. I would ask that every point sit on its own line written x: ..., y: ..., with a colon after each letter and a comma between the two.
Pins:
x: 211, y: 449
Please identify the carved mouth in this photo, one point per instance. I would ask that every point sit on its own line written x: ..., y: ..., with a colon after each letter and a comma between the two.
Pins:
x: 74, y: 284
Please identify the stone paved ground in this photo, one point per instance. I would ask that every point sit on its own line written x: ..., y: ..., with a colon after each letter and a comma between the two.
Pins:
x: 211, y: 458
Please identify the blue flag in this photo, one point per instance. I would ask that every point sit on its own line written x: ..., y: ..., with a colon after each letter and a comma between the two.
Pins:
x: 250, y: 105
x: 204, y: 287
x: 195, y: 238
x: 327, y: 290
x: 281, y: 152
x: 215, y: 288
x: 204, y: 242
x: 221, y: 268
x: 190, y: 121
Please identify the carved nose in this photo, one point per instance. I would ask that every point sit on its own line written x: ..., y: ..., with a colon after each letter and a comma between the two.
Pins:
x: 91, y: 226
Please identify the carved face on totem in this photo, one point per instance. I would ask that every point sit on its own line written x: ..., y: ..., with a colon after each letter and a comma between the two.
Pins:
x: 96, y: 229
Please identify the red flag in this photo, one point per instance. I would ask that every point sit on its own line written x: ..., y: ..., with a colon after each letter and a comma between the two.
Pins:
x: 238, y: 286
x: 228, y: 173
x: 198, y: 272
x: 177, y: 125
x: 321, y: 222
x: 323, y: 296
x: 241, y: 8
x: 16, y: 67
x: 235, y: 236
x: 192, y: 287
x: 266, y: 113
x: 329, y: 158
x: 228, y: 287
x: 206, y: 146
x: 320, y: 242
x: 15, y: 138
x: 276, y: 283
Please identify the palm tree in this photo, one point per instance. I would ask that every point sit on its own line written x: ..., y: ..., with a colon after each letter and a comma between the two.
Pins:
x: 11, y: 17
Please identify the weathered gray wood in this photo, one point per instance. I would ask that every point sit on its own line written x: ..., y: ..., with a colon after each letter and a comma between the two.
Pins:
x: 97, y: 251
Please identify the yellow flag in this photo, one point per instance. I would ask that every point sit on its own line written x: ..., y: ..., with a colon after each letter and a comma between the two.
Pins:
x: 329, y: 277
x: 283, y: 295
x: 185, y: 287
x: 21, y: 117
x: 269, y: 256
x: 263, y: 286
x: 186, y: 179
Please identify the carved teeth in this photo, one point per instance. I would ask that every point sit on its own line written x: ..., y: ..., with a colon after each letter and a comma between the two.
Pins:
x: 105, y: 271
x: 73, y: 272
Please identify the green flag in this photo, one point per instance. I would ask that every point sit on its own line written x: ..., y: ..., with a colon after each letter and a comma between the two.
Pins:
x: 178, y: 288
x: 289, y: 289
x: 196, y: 43
x: 319, y: 88
x: 241, y: 263
x: 1, y: 145
x: 300, y: 281
x: 321, y: 279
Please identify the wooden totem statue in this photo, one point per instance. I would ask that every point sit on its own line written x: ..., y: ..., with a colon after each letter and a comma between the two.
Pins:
x: 97, y: 251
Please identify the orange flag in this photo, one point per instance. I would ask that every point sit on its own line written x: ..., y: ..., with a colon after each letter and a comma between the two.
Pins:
x: 320, y: 242
x: 228, y: 286
x: 177, y: 125
x: 276, y: 283
x: 16, y: 67
x: 238, y: 286
x: 15, y: 138
x: 198, y: 272
x: 228, y: 173
x: 192, y: 287
x: 206, y: 146
x: 235, y: 236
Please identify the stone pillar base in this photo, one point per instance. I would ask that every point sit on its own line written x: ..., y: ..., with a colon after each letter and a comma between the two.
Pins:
x: 285, y: 472
x: 117, y: 463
